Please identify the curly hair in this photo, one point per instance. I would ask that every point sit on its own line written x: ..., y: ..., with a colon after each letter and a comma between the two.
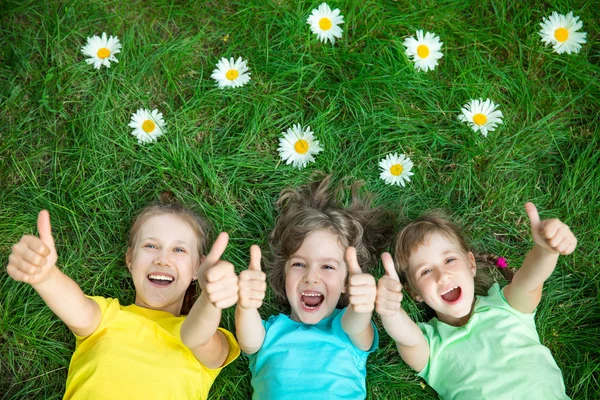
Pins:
x: 414, y: 234
x: 317, y: 207
x: 168, y: 205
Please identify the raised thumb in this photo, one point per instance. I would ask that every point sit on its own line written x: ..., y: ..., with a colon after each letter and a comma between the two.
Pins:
x: 388, y: 266
x: 45, y: 229
x: 255, y: 256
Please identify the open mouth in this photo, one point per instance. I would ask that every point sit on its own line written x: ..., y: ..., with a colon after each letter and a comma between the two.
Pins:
x: 452, y: 295
x: 311, y: 300
x: 160, y: 279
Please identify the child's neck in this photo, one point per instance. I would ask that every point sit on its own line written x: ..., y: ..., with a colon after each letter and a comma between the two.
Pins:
x: 456, y: 321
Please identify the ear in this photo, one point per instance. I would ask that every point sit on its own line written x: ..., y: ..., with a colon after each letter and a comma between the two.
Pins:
x: 197, y: 270
x: 128, y: 258
x: 473, y: 264
x: 413, y: 293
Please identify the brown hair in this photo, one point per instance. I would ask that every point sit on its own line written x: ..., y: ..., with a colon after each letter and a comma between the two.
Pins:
x: 413, y: 235
x: 316, y: 206
x: 168, y: 205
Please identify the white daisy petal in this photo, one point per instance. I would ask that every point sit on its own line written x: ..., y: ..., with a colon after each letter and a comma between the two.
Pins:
x: 424, y: 51
x: 324, y: 23
x: 298, y: 146
x: 481, y: 115
x: 147, y: 126
x: 396, y: 169
x: 101, y: 50
x: 560, y: 32
x: 230, y: 73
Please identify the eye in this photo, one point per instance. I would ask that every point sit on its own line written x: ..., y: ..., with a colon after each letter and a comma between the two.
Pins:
x: 328, y: 267
x: 298, y: 264
x: 150, y: 246
x: 450, y: 259
x: 179, y: 250
x: 426, y: 271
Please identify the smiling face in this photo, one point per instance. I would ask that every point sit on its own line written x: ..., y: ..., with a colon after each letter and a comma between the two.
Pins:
x: 163, y: 260
x: 441, y: 275
x: 315, y: 277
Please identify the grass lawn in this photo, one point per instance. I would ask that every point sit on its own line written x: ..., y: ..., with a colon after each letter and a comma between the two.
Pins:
x: 65, y: 146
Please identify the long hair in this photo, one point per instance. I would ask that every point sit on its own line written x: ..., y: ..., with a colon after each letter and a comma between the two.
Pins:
x: 317, y: 206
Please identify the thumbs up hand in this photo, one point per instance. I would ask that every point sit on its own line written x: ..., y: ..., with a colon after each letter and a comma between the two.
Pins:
x: 552, y: 235
x: 389, y: 289
x: 217, y: 277
x: 361, y: 287
x: 252, y: 282
x: 33, y: 258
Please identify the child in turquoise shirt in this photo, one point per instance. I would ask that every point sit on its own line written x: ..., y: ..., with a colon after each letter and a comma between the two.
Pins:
x: 477, y: 347
x: 322, y: 253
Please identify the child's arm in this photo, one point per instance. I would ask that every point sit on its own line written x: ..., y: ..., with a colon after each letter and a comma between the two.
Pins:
x: 551, y: 237
x: 33, y: 261
x: 219, y: 290
x: 410, y: 341
x: 362, y: 291
x: 249, y: 328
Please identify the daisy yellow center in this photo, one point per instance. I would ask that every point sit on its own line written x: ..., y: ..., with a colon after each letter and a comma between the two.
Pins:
x: 232, y: 74
x: 103, y: 53
x: 561, y: 34
x: 325, y: 24
x: 148, y: 126
x: 301, y: 146
x: 479, y: 119
x: 423, y: 51
x: 396, y: 169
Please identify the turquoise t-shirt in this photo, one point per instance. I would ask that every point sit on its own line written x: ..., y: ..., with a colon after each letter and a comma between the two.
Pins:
x: 300, y: 361
x: 496, y: 355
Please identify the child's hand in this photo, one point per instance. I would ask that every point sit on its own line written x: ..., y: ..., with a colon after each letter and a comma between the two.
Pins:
x: 361, y: 286
x: 32, y: 258
x: 252, y: 282
x: 389, y: 289
x: 217, y: 277
x: 552, y: 235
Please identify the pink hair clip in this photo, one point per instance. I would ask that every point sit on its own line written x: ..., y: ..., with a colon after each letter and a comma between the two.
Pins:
x: 501, y: 263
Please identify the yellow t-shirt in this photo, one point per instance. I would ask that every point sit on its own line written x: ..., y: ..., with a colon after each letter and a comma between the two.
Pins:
x: 137, y: 353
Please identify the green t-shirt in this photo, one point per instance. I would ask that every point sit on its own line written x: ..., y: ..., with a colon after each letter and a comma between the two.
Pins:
x: 496, y: 355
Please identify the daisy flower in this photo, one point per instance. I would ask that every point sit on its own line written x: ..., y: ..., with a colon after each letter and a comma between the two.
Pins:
x: 231, y: 74
x: 481, y: 115
x: 298, y: 146
x: 101, y: 50
x: 324, y: 23
x: 424, y: 51
x: 395, y: 169
x: 561, y: 33
x: 147, y: 125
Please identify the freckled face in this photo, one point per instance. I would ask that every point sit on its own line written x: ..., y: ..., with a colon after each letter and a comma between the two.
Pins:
x: 442, y: 275
x: 163, y: 261
x: 315, y: 277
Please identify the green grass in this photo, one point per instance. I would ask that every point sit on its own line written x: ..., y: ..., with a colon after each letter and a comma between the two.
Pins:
x: 65, y: 146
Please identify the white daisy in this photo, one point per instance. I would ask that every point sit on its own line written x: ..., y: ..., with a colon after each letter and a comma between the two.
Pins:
x: 424, y: 51
x: 147, y: 125
x: 101, y: 50
x: 481, y: 115
x: 231, y: 74
x: 561, y: 33
x: 324, y: 23
x: 395, y: 169
x: 298, y: 146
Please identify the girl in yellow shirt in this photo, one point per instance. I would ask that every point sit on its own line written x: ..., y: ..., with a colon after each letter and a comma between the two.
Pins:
x: 146, y: 350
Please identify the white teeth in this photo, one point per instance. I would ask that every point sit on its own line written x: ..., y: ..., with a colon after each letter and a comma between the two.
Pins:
x: 449, y: 290
x: 311, y: 294
x: 161, y: 278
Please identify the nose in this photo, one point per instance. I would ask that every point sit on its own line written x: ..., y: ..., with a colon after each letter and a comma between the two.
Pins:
x: 311, y: 276
x: 161, y: 259
x: 442, y: 276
